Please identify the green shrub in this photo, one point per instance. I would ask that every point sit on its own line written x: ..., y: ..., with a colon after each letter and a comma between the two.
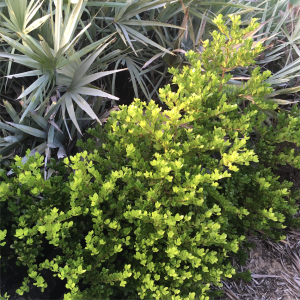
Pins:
x: 157, y: 209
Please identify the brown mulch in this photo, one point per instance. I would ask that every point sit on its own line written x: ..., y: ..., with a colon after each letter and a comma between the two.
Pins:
x: 275, y: 267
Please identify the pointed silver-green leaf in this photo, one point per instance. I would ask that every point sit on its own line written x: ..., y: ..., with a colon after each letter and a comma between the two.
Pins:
x: 21, y: 48
x: 58, y: 23
x: 15, y: 138
x: 283, y: 102
x: 31, y: 10
x: 71, y: 112
x: 54, y: 125
x: 150, y: 23
x: 84, y: 106
x: 90, y: 78
x: 34, y: 100
x: 36, y: 24
x: 11, y: 111
x: 50, y: 135
x: 61, y: 153
x: 38, y: 83
x: 106, y: 4
x: 7, y: 127
x: 127, y: 37
x: 75, y: 39
x: 29, y: 130
x: 72, y: 22
x: 93, y: 92
x: 21, y: 59
x: 285, y: 91
x: 63, y: 112
x: 85, y: 65
x: 146, y: 40
x: 39, y: 119
x: 35, y: 47
x: 26, y: 74
x: 83, y: 51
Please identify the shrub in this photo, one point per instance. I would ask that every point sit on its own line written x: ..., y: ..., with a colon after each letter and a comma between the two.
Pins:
x: 157, y: 209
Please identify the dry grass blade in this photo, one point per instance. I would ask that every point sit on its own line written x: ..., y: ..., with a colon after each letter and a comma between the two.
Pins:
x: 264, y: 276
x: 231, y: 294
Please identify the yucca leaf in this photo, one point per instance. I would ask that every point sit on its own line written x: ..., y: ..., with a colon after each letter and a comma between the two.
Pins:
x: 140, y: 9
x: 36, y: 24
x: 7, y: 127
x: 29, y: 130
x: 48, y: 51
x: 34, y: 100
x: 105, y: 4
x: 84, y: 51
x: 55, y: 144
x: 114, y: 76
x: 71, y: 112
x: 13, y: 114
x: 58, y: 23
x: 15, y: 138
x: 26, y: 74
x: 61, y: 153
x: 39, y: 83
x: 135, y: 76
x: 35, y: 47
x: 17, y: 11
x: 285, y: 91
x: 84, y: 106
x: 90, y: 78
x: 50, y: 135
x: 63, y: 111
x: 70, y: 44
x: 93, y: 92
x: 39, y: 119
x: 149, y: 23
x: 146, y: 40
x: 72, y: 22
x: 4, y: 144
x: 121, y: 10
x: 85, y: 65
x: 29, y: 7
x: 22, y: 48
x: 54, y: 125
x: 8, y: 24
x: 31, y: 12
x: 126, y: 36
x: 283, y: 102
x: 22, y: 59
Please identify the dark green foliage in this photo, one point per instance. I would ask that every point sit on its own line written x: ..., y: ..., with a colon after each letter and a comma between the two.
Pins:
x: 155, y: 212
x: 246, y: 276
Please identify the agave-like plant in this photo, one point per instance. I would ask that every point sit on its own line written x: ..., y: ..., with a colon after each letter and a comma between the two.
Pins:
x: 63, y: 78
x: 133, y: 32
x: 44, y: 134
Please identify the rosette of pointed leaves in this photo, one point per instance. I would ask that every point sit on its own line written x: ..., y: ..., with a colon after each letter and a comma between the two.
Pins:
x: 60, y: 69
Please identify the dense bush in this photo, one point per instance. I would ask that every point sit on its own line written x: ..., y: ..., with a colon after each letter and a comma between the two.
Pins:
x: 157, y: 209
